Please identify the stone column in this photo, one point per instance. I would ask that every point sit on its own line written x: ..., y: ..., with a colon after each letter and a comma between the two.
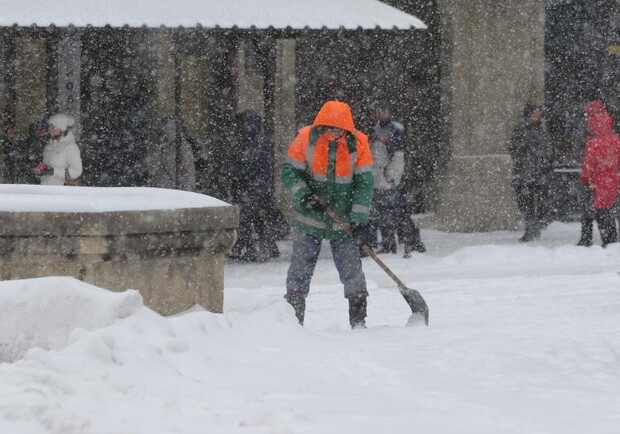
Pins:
x: 69, y: 79
x: 163, y: 58
x: 196, y: 94
x: 3, y: 90
x: 250, y: 79
x: 30, y: 82
x: 493, y: 62
x: 284, y: 116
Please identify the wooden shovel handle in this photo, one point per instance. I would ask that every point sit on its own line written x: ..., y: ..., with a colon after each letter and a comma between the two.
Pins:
x: 365, y: 247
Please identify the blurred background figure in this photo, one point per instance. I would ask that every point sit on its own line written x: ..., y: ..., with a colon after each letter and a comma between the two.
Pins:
x: 252, y: 190
x: 62, y: 162
x: 163, y: 162
x: 532, y: 167
x: 389, y: 214
x: 599, y: 173
x: 20, y: 156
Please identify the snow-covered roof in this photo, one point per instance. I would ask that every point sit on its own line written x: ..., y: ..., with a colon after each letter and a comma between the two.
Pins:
x: 243, y: 14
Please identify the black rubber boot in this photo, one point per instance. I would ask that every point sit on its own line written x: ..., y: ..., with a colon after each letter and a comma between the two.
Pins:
x: 387, y: 246
x: 299, y: 305
x: 357, y: 311
x: 607, y: 226
x: 407, y: 253
x: 586, y: 232
x: 416, y: 244
x: 530, y: 235
x: 532, y: 231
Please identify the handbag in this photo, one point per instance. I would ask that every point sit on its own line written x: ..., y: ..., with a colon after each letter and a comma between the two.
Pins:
x: 73, y: 182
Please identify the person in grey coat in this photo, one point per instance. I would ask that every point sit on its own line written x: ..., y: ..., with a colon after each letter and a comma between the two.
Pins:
x: 388, y: 214
x: 531, y: 152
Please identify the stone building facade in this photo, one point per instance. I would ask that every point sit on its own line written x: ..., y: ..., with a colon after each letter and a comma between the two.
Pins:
x: 458, y: 87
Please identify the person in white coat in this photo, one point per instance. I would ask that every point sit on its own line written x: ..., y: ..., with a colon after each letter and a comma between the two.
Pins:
x: 61, y: 156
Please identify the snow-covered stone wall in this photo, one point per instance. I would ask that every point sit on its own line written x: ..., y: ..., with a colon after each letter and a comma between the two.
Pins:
x: 172, y: 250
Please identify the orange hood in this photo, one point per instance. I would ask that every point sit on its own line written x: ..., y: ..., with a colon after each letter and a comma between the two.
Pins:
x: 335, y: 114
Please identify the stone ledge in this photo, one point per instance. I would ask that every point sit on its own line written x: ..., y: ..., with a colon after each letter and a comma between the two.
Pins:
x: 116, y: 247
x: 117, y: 222
x: 174, y: 257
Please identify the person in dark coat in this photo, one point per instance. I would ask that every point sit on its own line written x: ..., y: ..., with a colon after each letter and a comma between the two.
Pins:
x: 22, y: 155
x: 532, y: 166
x: 252, y: 190
x: 599, y: 173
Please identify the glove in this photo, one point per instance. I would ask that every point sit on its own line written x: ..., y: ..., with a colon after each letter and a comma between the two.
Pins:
x: 309, y: 202
x: 357, y: 229
x: 43, y: 169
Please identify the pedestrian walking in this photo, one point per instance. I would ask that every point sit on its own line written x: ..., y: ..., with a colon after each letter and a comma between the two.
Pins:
x: 532, y: 167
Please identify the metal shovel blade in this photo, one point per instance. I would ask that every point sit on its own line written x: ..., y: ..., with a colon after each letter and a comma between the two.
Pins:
x: 414, y: 299
x: 419, y: 308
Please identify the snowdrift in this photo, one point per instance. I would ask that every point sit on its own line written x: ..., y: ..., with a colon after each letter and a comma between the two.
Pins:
x: 45, y: 312
x: 51, y: 313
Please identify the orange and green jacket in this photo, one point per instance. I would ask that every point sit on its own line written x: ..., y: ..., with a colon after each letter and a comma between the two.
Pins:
x: 338, y: 171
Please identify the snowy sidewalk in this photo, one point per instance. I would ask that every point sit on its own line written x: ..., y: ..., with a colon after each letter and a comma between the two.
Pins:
x: 522, y: 339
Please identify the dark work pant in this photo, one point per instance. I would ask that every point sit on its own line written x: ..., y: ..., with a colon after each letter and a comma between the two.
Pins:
x: 306, y: 249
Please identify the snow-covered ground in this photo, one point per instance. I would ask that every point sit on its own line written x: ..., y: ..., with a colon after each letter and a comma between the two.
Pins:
x: 522, y: 339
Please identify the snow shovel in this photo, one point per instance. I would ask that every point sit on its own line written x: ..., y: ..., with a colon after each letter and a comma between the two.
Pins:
x: 419, y: 308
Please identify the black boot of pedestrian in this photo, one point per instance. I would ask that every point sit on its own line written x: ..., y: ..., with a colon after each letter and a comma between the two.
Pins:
x: 407, y: 253
x: 357, y: 311
x: 532, y: 232
x: 418, y: 247
x: 416, y: 243
x: 413, y: 243
x: 299, y: 305
x: 529, y: 236
x: 607, y: 226
x: 586, y: 232
x: 387, y: 247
